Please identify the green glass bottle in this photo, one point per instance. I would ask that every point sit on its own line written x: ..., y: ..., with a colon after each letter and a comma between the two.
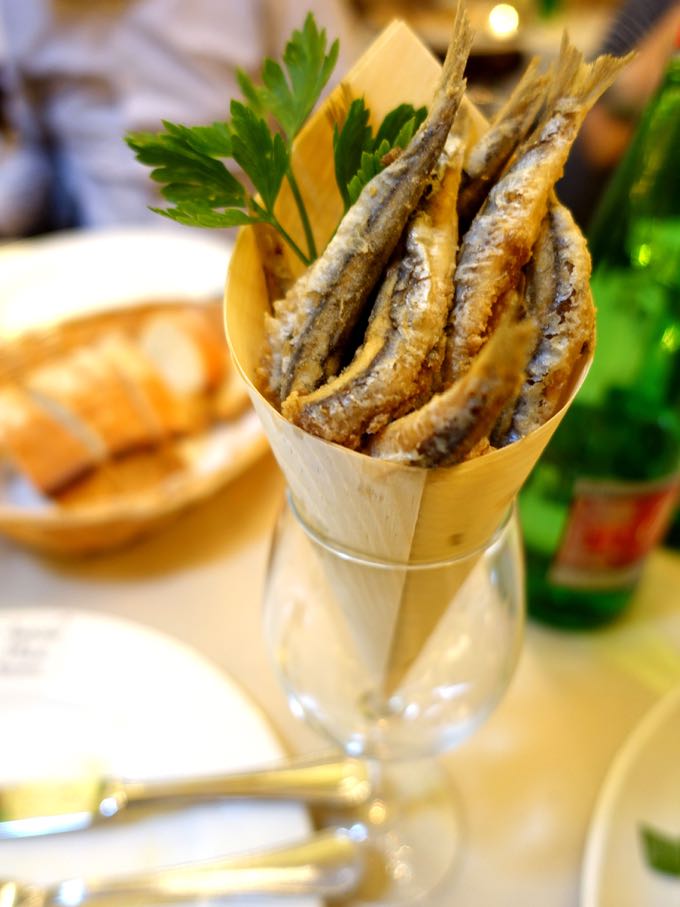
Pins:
x: 604, y: 491
x: 672, y: 539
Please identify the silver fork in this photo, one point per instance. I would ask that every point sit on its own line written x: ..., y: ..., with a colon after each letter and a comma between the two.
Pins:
x: 330, y: 864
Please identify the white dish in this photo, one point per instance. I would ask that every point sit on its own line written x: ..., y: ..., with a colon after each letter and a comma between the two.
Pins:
x: 66, y: 274
x: 82, y: 692
x: 642, y: 787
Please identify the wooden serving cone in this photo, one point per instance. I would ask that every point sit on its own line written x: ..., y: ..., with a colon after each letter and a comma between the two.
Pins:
x: 366, y: 505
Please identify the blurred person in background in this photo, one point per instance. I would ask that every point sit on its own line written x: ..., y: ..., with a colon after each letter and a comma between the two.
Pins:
x: 651, y: 27
x: 77, y: 75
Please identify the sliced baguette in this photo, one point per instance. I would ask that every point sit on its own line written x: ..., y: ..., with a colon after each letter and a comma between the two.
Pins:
x: 163, y: 410
x: 186, y: 348
x: 39, y: 445
x: 84, y: 389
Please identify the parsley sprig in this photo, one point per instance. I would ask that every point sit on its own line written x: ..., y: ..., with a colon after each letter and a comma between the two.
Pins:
x: 190, y: 161
x: 289, y: 97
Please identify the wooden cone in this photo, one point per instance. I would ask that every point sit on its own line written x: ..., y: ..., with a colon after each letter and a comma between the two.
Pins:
x: 370, y: 506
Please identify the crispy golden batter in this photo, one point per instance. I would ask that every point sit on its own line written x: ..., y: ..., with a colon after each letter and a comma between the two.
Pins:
x: 453, y: 423
x: 501, y: 237
x: 311, y: 324
x: 401, y: 347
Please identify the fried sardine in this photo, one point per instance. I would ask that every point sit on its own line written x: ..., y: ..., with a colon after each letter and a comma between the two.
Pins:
x: 452, y: 424
x: 537, y: 292
x: 402, y: 346
x: 311, y: 323
x: 502, y: 235
x: 492, y: 151
x: 563, y: 307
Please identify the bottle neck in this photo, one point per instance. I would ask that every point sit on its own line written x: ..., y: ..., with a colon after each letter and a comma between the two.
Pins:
x: 646, y: 183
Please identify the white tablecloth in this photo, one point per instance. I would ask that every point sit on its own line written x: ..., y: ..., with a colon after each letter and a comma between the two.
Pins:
x: 529, y: 776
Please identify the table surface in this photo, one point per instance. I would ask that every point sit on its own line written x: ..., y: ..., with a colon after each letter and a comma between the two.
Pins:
x: 527, y: 779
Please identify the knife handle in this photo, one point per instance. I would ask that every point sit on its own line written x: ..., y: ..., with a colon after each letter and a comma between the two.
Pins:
x: 344, y: 782
x: 330, y: 864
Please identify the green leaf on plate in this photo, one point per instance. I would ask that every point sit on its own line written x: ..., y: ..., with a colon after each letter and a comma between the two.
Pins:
x: 662, y: 851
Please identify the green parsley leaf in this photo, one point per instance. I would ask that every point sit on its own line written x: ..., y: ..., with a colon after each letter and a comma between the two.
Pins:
x: 195, y: 214
x: 261, y: 155
x: 215, y: 140
x: 349, y: 143
x: 187, y: 161
x: 359, y: 154
x: 186, y: 171
x: 662, y: 852
x: 400, y: 124
x: 290, y: 96
x: 370, y: 167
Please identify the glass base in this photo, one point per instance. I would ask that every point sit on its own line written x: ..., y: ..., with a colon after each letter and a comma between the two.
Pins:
x: 411, y: 830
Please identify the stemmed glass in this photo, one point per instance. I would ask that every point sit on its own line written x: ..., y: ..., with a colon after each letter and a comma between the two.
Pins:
x: 393, y: 686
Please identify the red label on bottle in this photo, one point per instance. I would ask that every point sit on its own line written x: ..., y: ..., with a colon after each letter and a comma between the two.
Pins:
x: 611, y: 528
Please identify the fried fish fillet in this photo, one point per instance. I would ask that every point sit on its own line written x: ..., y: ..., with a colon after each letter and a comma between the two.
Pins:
x: 563, y: 307
x: 311, y: 323
x: 447, y: 428
x: 402, y: 345
x: 508, y: 128
x: 537, y: 294
x: 502, y: 235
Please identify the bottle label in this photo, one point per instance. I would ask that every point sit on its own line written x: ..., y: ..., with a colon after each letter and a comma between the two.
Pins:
x: 611, y: 528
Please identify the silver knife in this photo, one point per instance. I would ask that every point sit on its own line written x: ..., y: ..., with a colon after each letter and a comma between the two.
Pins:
x: 42, y: 807
x: 329, y: 864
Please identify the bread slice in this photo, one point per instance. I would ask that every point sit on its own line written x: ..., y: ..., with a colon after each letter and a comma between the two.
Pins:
x: 40, y: 446
x: 87, y: 394
x: 186, y: 348
x: 162, y: 408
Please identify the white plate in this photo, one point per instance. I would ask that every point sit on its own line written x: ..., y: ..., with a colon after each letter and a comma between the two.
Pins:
x: 72, y: 273
x: 642, y: 786
x: 80, y: 692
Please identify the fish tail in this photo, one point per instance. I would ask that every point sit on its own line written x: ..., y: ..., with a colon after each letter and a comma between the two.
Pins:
x: 452, y: 81
x: 596, y: 77
x: 508, y: 128
x: 565, y: 72
x: 579, y: 81
x: 529, y: 89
